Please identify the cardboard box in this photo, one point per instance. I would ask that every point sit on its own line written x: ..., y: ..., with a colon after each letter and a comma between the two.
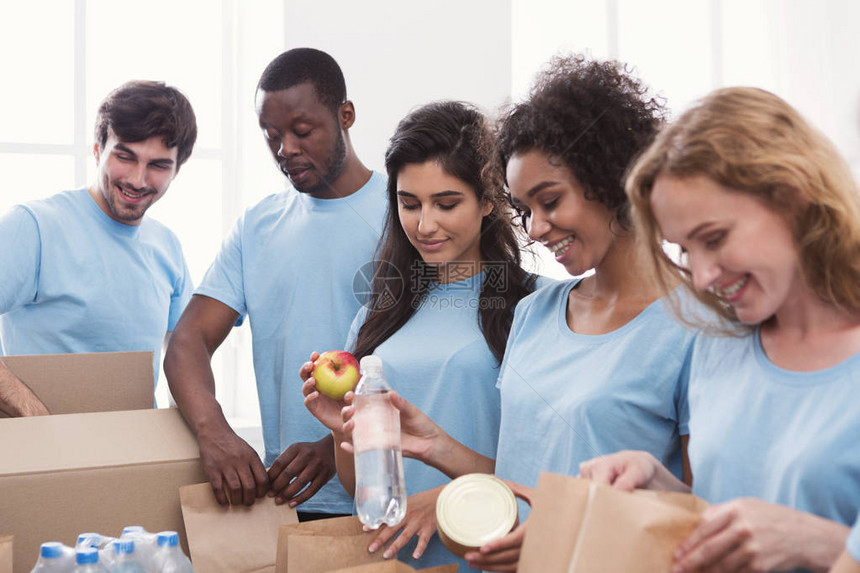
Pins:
x: 75, y: 383
x: 68, y: 474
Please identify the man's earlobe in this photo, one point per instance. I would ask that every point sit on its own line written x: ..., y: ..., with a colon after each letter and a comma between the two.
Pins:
x: 346, y: 114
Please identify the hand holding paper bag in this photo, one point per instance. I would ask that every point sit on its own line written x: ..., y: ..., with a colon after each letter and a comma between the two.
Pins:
x: 629, y: 470
x: 579, y: 526
x: 753, y: 535
x: 233, y: 538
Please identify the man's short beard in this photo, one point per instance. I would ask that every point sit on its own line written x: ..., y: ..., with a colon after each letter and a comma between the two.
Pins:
x: 334, y: 165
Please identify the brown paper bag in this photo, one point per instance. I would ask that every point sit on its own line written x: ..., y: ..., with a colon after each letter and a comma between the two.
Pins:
x: 578, y: 526
x: 232, y: 539
x: 324, y: 545
x: 396, y: 567
x: 5, y: 554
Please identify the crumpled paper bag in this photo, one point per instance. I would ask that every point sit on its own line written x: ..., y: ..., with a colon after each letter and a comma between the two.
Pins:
x: 579, y: 526
x: 324, y: 545
x: 233, y: 538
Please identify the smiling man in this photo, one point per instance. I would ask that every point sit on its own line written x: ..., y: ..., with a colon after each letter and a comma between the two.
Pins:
x: 85, y: 270
x: 288, y: 265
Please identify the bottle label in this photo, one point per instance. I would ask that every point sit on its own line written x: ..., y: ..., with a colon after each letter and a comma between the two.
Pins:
x: 377, y: 424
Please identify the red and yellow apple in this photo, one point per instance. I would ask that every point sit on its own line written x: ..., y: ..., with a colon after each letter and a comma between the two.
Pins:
x: 336, y: 373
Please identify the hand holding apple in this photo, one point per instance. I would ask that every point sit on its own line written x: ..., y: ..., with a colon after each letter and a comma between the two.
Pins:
x: 336, y: 373
x: 323, y: 408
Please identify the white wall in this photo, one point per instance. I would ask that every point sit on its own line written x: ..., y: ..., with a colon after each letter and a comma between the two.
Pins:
x: 802, y: 50
x: 397, y: 55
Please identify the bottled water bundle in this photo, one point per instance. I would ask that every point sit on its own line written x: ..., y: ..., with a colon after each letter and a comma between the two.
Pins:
x: 135, y: 551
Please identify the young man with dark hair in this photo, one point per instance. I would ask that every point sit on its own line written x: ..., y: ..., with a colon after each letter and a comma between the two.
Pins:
x: 288, y: 265
x: 88, y: 272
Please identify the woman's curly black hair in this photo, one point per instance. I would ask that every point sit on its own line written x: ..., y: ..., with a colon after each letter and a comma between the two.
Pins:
x: 594, y: 117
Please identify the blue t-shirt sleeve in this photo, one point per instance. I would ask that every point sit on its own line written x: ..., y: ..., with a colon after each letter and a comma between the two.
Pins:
x: 682, y: 407
x: 181, y: 295
x: 853, y: 543
x: 20, y: 257
x: 516, y: 327
x: 224, y: 281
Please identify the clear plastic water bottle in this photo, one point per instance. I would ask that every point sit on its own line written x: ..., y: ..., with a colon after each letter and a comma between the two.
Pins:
x: 125, y: 560
x: 87, y: 561
x: 380, y: 491
x: 98, y: 541
x: 145, y: 544
x: 54, y: 557
x: 169, y: 557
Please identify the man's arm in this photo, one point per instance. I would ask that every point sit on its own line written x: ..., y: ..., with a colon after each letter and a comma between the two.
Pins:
x: 16, y: 398
x: 234, y: 469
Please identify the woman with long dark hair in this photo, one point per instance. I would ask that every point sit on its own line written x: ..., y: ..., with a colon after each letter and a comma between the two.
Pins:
x: 447, y: 280
x: 593, y: 365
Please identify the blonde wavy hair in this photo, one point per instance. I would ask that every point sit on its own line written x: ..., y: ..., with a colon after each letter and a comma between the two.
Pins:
x: 751, y: 141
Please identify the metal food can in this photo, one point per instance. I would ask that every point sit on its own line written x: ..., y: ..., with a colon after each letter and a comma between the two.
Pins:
x: 474, y: 509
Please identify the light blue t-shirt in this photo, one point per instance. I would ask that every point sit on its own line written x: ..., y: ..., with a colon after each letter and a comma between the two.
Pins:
x: 75, y: 280
x: 785, y: 437
x: 289, y: 265
x: 440, y: 361
x: 568, y: 397
x: 853, y: 542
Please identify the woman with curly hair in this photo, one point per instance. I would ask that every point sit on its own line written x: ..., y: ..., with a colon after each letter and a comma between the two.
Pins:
x: 442, y: 302
x: 593, y: 365
x: 767, y: 215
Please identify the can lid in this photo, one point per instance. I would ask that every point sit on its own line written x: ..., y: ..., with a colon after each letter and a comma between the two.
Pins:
x: 475, y: 509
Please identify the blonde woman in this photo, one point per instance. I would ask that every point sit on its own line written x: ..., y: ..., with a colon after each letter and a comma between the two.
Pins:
x: 768, y: 220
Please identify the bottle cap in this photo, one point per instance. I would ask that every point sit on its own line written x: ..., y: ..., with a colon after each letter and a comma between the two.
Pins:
x: 87, y: 555
x: 123, y: 546
x: 169, y: 538
x: 473, y: 510
x: 51, y: 550
x: 370, y: 363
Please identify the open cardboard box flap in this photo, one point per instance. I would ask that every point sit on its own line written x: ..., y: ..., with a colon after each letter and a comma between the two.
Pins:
x: 96, y: 382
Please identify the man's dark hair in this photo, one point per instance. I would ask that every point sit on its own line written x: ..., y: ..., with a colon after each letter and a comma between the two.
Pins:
x: 301, y: 65
x: 138, y: 110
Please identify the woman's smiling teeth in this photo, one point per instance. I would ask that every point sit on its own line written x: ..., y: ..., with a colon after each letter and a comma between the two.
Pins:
x: 731, y: 290
x: 560, y: 246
